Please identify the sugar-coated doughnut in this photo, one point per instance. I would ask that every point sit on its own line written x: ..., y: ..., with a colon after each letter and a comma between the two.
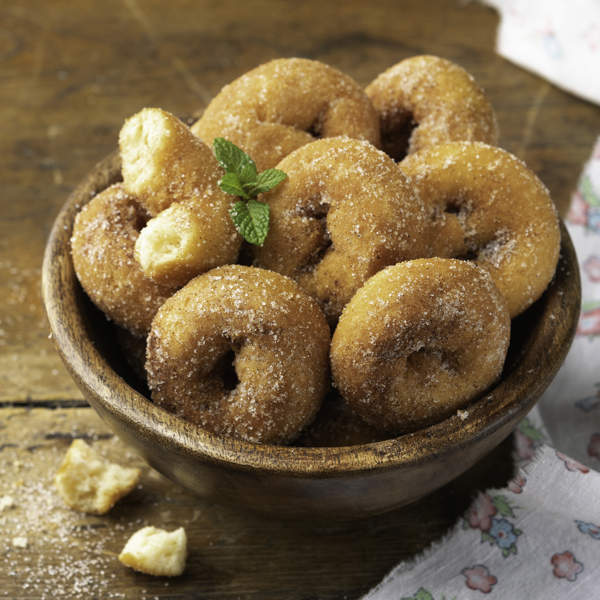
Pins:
x: 274, y: 334
x: 418, y: 341
x: 283, y: 104
x: 426, y: 100
x: 344, y: 212
x: 485, y: 205
x: 102, y: 247
x: 175, y: 177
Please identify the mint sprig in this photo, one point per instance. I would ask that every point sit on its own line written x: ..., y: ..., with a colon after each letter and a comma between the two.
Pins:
x: 242, y: 179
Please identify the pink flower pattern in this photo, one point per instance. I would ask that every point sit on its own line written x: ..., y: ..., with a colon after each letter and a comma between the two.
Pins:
x: 479, y: 578
x: 566, y: 566
x: 480, y: 513
x: 524, y: 446
x: 516, y: 484
x: 571, y: 464
x: 591, y: 266
x: 593, y: 448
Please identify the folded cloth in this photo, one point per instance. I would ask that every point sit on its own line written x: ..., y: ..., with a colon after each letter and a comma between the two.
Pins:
x: 539, y: 537
x: 557, y: 39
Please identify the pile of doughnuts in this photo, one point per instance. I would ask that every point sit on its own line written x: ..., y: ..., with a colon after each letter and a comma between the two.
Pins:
x: 401, y: 245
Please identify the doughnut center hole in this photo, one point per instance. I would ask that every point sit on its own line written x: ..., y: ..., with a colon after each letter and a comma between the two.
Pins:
x: 317, y: 211
x: 458, y: 207
x: 396, y: 131
x: 225, y: 369
x: 428, y: 362
x: 316, y: 127
x: 140, y: 218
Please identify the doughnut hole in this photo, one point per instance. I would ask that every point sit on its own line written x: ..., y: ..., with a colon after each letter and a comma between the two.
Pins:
x: 419, y: 341
x: 318, y: 238
x: 226, y: 371
x: 397, y: 127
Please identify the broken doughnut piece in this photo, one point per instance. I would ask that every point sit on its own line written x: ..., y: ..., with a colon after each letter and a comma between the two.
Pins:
x: 156, y: 552
x: 88, y: 483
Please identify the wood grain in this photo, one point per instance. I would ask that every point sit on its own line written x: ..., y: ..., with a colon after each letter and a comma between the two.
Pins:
x: 232, y: 554
x: 70, y: 75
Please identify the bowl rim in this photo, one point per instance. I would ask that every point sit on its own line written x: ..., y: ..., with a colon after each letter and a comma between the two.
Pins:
x: 108, y: 392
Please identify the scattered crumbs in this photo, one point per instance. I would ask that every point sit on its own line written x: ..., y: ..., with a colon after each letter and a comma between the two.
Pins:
x: 19, y: 542
x: 462, y: 414
x: 6, y: 502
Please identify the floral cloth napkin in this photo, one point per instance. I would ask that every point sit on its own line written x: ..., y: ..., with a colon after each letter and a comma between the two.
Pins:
x: 539, y: 537
x: 557, y: 39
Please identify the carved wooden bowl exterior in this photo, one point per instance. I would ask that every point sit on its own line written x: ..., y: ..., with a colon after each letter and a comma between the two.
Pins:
x: 290, y: 482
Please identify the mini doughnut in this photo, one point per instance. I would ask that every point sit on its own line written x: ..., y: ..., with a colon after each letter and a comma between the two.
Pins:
x: 102, y: 247
x: 344, y: 212
x: 426, y: 100
x: 283, y: 104
x: 274, y: 334
x: 418, y: 341
x: 175, y: 177
x: 485, y: 205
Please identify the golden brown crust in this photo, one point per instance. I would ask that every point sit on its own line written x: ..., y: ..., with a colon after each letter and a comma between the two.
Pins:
x: 427, y: 100
x: 418, y: 341
x: 344, y: 212
x: 280, y: 339
x: 102, y: 247
x: 175, y: 177
x: 486, y: 205
x: 277, y: 107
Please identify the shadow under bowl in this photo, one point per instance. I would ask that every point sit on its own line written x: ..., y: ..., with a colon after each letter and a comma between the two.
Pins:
x: 293, y: 482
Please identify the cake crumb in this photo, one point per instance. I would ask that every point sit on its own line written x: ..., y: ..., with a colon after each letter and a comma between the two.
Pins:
x: 20, y: 542
x: 6, y: 502
x: 90, y: 484
x: 156, y: 552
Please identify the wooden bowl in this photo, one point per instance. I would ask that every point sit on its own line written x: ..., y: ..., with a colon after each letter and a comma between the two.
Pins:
x: 332, y: 483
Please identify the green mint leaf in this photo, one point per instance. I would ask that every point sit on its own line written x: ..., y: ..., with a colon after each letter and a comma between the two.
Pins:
x: 266, y: 181
x: 251, y: 219
x: 231, y: 184
x: 234, y: 160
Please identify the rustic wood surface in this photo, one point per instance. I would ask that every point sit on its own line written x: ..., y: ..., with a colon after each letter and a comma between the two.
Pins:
x: 71, y: 73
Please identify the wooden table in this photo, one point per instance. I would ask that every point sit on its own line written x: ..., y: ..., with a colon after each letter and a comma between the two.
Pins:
x: 69, y: 78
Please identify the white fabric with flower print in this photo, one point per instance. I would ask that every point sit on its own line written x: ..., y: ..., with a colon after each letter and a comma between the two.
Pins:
x: 539, y: 537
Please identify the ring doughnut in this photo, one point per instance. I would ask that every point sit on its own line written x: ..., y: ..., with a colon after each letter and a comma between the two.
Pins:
x: 418, y: 341
x: 344, y: 212
x: 102, y: 247
x: 426, y: 100
x: 274, y: 334
x: 486, y: 205
x: 283, y: 104
x: 175, y: 177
